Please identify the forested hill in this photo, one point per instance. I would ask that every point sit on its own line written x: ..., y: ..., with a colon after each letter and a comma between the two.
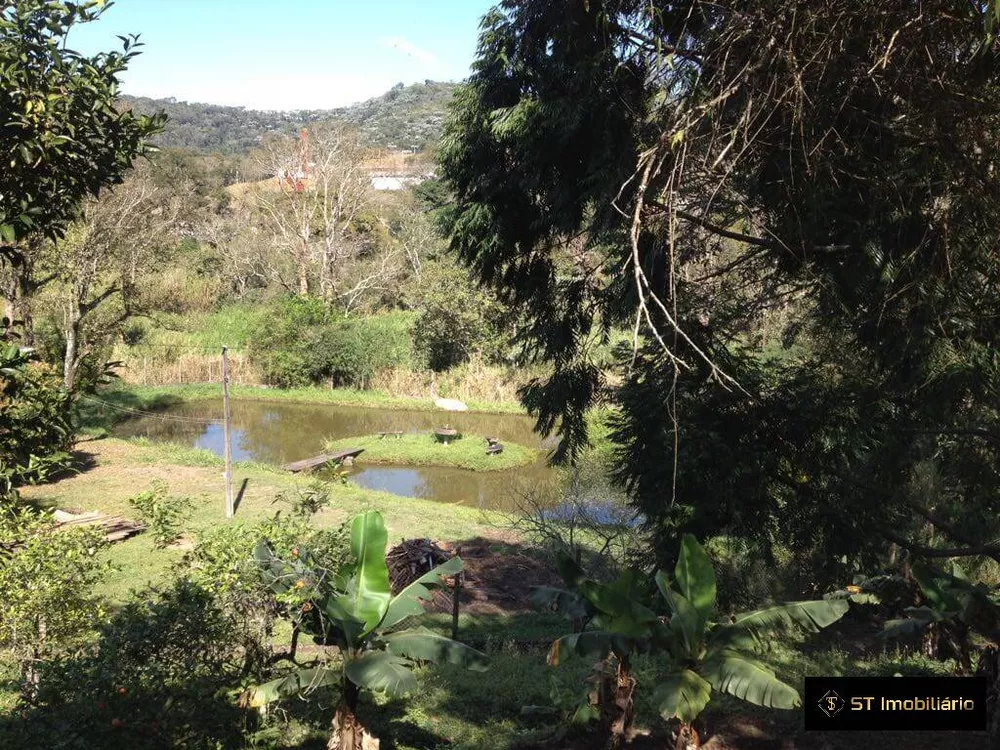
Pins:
x: 405, y: 117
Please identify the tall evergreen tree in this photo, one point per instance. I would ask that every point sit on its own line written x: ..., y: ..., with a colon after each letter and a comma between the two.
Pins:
x: 688, y: 169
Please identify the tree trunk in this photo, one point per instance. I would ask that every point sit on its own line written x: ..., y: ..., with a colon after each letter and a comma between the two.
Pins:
x: 295, y: 643
x: 70, y: 363
x: 348, y: 732
x: 687, y: 738
x: 21, y: 305
x: 303, y: 261
x: 326, y: 275
x: 624, y: 705
x: 31, y: 678
x: 958, y: 636
x: 932, y: 641
x: 303, y: 277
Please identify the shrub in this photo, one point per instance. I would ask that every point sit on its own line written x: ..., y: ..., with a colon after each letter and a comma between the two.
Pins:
x: 47, y: 582
x: 156, y: 677
x: 303, y: 342
x: 361, y: 347
x: 289, y: 343
x: 222, y: 563
x: 357, y: 612
x: 305, y: 501
x: 705, y: 651
x: 163, y: 514
x: 35, y: 429
x: 456, y: 320
x: 133, y: 333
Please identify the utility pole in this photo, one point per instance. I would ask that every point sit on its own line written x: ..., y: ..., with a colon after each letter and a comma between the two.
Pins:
x: 226, y: 428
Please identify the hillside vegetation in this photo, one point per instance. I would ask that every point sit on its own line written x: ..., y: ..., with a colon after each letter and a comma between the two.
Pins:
x: 405, y: 117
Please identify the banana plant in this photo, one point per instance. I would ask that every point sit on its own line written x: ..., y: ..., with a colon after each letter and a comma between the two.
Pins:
x: 704, y: 652
x: 953, y: 608
x: 355, y: 610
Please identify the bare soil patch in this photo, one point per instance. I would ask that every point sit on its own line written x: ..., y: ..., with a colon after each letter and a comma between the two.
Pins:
x: 498, y: 579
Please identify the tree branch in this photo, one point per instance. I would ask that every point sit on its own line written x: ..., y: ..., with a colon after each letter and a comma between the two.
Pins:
x: 716, y: 229
x: 989, y: 550
x: 965, y: 431
x: 86, y: 307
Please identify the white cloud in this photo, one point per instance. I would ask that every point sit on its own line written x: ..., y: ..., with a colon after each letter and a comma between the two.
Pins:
x: 409, y: 49
x: 294, y: 90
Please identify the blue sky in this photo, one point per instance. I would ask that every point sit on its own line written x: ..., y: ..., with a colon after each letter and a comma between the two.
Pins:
x: 287, y: 54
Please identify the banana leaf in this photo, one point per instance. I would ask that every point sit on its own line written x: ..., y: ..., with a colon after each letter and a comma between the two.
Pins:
x: 299, y: 681
x: 748, y: 679
x: 683, y: 695
x: 382, y: 672
x: 560, y: 601
x: 809, y: 616
x: 369, y: 592
x: 589, y: 643
x: 409, y: 601
x: 424, y: 645
x: 696, y: 577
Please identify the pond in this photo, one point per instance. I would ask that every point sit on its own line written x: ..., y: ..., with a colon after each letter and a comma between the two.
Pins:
x: 275, y: 432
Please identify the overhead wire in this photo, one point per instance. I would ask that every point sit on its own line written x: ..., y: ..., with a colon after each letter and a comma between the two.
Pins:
x: 150, y: 414
x: 189, y: 347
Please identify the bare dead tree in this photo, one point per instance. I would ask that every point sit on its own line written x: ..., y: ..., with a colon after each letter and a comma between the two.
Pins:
x: 245, y: 251
x: 312, y: 200
x: 340, y: 188
x: 288, y: 212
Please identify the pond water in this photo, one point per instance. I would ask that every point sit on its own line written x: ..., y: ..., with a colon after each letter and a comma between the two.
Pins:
x: 277, y: 432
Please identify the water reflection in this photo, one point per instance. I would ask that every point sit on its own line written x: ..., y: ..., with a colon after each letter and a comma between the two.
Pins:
x: 277, y: 433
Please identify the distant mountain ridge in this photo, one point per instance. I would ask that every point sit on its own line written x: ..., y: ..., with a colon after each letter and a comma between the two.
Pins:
x: 405, y: 118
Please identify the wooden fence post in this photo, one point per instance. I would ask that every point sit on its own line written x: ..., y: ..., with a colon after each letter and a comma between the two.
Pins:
x: 456, y: 595
x: 226, y: 429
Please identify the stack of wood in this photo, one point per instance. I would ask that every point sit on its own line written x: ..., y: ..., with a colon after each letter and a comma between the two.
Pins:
x: 410, y: 559
x: 116, y: 528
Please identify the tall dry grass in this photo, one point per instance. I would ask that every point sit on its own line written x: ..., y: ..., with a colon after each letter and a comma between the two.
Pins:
x: 156, y: 369
x: 473, y: 381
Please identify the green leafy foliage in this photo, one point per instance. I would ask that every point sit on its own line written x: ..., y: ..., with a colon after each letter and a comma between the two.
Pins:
x: 704, y: 653
x: 360, y: 347
x: 163, y: 513
x: 356, y: 611
x: 456, y: 320
x: 304, y: 342
x: 35, y: 428
x: 157, y: 675
x: 954, y: 609
x: 569, y: 703
x: 223, y: 564
x: 627, y: 164
x: 304, y: 502
x: 64, y: 137
x: 48, y: 581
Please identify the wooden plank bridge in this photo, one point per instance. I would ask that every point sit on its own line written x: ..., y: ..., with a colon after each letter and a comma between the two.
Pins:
x: 308, y: 464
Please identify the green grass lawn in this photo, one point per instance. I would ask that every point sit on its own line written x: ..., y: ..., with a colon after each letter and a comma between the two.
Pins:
x: 115, y: 470
x: 423, y: 449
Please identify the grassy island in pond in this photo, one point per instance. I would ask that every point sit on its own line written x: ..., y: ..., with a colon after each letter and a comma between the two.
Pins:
x: 423, y: 449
